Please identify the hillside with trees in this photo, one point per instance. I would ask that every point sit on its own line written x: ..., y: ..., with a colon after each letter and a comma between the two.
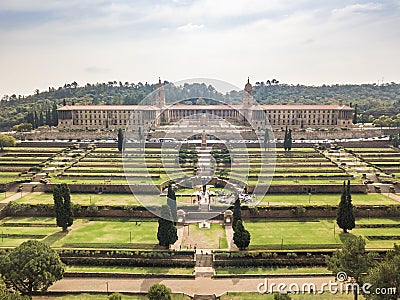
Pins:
x: 40, y: 108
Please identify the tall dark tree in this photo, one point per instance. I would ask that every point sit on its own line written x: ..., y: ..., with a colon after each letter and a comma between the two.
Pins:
x: 120, y: 139
x: 237, y: 212
x: 345, y: 214
x: 289, y: 140
x: 48, y: 117
x: 266, y: 139
x: 41, y: 118
x: 167, y: 233
x: 62, y: 205
x: 171, y: 201
x: 241, y: 237
x: 355, y: 117
x: 54, y: 115
x: 36, y: 119
x: 285, y: 139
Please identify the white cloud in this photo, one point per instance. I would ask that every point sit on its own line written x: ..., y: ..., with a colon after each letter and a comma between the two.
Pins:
x: 190, y: 27
x: 357, y: 9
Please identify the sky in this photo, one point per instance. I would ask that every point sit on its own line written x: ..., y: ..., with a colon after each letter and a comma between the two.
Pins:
x: 46, y: 43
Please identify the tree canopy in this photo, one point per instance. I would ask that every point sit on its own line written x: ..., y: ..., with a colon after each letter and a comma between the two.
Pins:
x: 62, y: 206
x: 32, y: 266
x: 159, y: 292
x: 371, y: 99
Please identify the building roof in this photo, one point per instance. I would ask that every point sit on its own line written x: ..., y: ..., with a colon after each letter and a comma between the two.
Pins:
x: 205, y: 107
x: 107, y: 107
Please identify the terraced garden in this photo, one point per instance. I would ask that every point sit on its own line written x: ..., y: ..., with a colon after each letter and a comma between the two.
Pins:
x: 298, y: 166
x: 21, y: 163
x: 387, y: 160
x: 105, y: 165
x: 320, y: 234
x: 85, y: 233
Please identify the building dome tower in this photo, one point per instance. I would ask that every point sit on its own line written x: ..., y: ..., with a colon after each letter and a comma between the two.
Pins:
x: 160, y: 94
x: 248, y: 94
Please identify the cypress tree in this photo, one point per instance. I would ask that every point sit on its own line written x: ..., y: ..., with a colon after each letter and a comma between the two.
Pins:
x: 171, y: 201
x: 345, y: 216
x: 355, y: 121
x: 285, y: 139
x: 62, y: 205
x: 289, y: 140
x: 266, y: 140
x: 54, y: 115
x: 41, y: 118
x: 241, y: 237
x: 237, y: 212
x: 167, y: 233
x: 120, y: 139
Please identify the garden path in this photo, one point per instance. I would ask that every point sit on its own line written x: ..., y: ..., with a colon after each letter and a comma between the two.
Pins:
x: 229, y: 238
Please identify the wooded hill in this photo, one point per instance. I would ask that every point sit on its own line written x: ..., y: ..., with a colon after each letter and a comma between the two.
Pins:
x: 371, y: 99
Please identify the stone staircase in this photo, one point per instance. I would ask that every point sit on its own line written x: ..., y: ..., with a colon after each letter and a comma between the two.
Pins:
x: 205, y: 297
x: 204, y: 264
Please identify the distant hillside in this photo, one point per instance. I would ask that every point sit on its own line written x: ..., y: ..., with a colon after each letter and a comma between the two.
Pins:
x: 371, y: 99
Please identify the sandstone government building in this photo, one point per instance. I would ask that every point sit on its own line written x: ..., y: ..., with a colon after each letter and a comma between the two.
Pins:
x: 103, y: 117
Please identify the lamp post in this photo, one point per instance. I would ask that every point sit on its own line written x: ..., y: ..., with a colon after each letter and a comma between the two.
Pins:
x: 281, y: 242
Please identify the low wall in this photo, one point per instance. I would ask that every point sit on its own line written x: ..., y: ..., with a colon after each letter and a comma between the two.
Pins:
x: 308, y: 188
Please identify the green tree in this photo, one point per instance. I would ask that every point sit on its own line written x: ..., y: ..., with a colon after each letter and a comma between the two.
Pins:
x: 7, y: 295
x: 115, y: 296
x: 352, y: 259
x: 31, y: 267
x: 120, y: 139
x: 159, y: 292
x: 62, y: 206
x: 386, y: 274
x: 54, y: 115
x: 167, y: 233
x: 241, y: 237
x: 355, y: 116
x: 345, y: 213
x: 282, y: 297
x: 266, y: 139
x: 237, y: 211
x: 289, y: 140
x: 22, y: 127
x: 285, y: 139
x: 171, y: 201
x: 6, y: 141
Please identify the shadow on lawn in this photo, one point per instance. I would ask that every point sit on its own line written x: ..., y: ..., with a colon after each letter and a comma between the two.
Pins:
x: 344, y: 236
x: 51, y: 239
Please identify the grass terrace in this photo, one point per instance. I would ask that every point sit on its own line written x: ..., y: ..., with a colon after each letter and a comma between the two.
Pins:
x: 298, y: 166
x: 325, y: 199
x: 20, y: 163
x: 385, y: 159
x: 320, y: 234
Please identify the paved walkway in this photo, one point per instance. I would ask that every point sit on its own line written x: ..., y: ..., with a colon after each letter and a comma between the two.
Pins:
x: 15, y: 196
x: 199, y: 285
x: 178, y: 244
x: 229, y: 238
x: 394, y: 197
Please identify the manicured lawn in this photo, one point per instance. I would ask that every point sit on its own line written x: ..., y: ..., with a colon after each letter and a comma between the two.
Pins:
x: 103, y: 297
x: 82, y: 199
x: 204, y: 238
x: 130, y: 270
x: 257, y: 296
x: 119, y: 233
x: 314, y: 234
x: 287, y: 270
x: 325, y: 199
